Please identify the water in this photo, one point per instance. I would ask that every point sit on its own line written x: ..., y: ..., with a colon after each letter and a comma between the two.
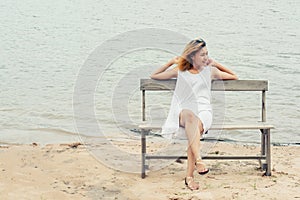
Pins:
x: 44, y: 44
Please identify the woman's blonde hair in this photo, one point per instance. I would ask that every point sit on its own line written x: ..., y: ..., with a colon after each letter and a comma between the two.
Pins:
x: 185, y: 60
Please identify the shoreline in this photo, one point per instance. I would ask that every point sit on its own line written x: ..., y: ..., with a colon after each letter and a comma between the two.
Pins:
x: 69, y: 171
x: 2, y: 144
x: 43, y: 138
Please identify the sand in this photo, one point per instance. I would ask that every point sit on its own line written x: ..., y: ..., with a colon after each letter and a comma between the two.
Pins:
x: 68, y: 171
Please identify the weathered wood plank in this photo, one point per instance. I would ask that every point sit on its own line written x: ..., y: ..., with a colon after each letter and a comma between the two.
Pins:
x: 150, y: 84
x: 217, y: 85
x: 258, y: 125
x: 207, y: 157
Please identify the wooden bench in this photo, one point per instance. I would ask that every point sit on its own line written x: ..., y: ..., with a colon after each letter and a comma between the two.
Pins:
x: 217, y: 85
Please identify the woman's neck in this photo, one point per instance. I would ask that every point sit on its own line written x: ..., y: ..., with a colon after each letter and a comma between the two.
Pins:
x: 196, y: 69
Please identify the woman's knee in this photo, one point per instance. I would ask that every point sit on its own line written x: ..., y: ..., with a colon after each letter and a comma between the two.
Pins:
x: 200, y: 126
x: 188, y: 116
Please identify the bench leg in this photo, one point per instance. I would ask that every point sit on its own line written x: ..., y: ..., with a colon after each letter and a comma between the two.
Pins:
x: 263, y: 142
x: 143, y: 146
x: 268, y: 152
x: 262, y: 147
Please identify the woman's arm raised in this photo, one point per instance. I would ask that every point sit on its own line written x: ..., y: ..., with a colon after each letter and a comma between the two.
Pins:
x: 221, y: 72
x: 162, y: 73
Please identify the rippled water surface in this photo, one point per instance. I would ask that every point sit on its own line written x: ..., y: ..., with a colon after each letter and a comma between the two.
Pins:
x: 44, y: 44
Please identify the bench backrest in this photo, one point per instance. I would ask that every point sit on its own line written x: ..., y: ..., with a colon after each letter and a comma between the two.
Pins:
x: 217, y: 85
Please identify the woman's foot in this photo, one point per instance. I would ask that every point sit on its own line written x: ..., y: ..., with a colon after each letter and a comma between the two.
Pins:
x: 190, y: 183
x: 200, y: 167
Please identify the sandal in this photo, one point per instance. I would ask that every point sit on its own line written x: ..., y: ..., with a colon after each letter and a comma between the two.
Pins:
x: 200, y: 163
x: 190, y: 183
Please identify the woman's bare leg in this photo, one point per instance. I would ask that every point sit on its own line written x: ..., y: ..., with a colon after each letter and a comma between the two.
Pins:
x: 190, y: 162
x: 193, y: 126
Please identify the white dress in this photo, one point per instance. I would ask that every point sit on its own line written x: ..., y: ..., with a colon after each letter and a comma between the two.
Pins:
x: 192, y: 92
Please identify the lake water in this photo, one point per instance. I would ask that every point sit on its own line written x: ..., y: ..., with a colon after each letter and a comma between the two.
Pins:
x: 44, y: 45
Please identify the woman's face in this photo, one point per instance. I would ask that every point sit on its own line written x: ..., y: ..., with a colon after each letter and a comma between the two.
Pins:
x: 200, y: 58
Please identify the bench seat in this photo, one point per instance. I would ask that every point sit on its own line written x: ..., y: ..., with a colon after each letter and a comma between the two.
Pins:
x: 232, y: 126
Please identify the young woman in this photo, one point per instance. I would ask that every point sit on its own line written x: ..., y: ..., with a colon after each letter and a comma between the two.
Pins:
x: 191, y: 113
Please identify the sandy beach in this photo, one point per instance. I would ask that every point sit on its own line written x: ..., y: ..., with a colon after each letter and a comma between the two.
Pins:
x: 69, y: 171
